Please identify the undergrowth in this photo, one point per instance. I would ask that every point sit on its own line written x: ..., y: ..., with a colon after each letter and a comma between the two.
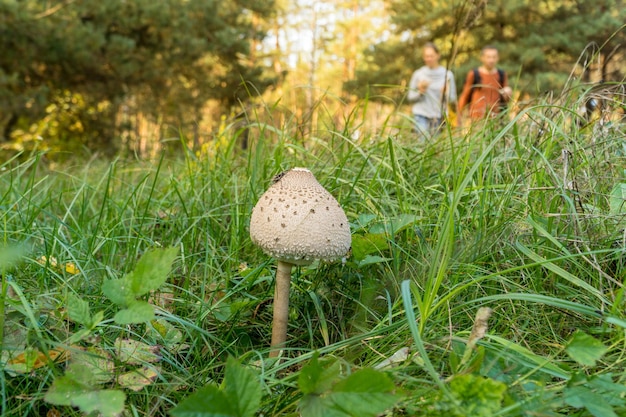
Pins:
x: 486, y: 278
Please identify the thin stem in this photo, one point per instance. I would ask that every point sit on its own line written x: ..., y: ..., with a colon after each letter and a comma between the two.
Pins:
x: 281, y: 307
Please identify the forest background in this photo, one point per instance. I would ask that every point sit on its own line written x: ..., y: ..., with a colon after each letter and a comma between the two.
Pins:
x: 134, y: 77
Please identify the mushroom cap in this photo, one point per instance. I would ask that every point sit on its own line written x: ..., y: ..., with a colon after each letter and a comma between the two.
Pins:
x: 297, y: 221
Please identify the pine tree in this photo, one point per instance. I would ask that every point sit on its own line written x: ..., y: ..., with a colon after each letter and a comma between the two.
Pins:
x: 170, y: 54
x: 540, y: 43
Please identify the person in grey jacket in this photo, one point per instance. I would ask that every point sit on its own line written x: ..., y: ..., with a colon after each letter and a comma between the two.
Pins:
x: 431, y: 89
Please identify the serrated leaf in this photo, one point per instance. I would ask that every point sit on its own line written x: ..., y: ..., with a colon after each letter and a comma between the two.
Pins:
x: 78, y: 310
x: 316, y: 406
x: 585, y: 349
x: 137, y: 312
x: 580, y: 396
x: 317, y: 377
x: 208, y: 401
x: 365, y: 393
x: 152, y: 270
x: 242, y: 388
x: 119, y: 291
x: 107, y: 403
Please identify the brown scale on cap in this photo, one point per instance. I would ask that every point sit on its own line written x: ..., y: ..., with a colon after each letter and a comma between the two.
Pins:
x: 307, y: 219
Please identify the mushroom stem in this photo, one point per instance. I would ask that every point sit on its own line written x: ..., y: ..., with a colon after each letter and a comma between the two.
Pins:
x: 281, y: 308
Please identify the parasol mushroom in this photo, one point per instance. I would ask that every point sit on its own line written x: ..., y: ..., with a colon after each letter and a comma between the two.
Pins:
x: 296, y: 221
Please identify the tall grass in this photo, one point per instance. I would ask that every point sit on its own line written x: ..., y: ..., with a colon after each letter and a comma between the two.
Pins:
x: 518, y: 215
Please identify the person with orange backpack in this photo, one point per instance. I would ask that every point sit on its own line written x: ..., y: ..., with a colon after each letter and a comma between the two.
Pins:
x: 486, y: 90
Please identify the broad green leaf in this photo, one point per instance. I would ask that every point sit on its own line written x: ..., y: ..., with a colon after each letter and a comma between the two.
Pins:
x: 583, y: 397
x: 81, y: 374
x: 242, y: 388
x: 585, y: 349
x: 152, y: 270
x: 119, y: 291
x: 395, y: 224
x: 206, y: 402
x: 107, y: 403
x: 365, y: 380
x: 365, y: 393
x: 318, y: 376
x: 78, y: 310
x: 362, y: 404
x: 604, y: 382
x: 316, y: 406
x: 137, y: 312
x: 63, y: 390
x: 368, y: 244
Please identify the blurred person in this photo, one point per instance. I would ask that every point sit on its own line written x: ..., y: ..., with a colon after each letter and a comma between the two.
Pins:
x: 431, y: 90
x: 486, y: 89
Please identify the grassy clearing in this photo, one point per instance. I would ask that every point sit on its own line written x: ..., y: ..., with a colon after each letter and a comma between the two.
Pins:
x: 526, y: 218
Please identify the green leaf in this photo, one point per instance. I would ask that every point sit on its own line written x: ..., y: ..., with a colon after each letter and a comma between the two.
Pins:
x: 78, y: 310
x: 79, y: 335
x: 316, y: 406
x: 152, y: 270
x: 206, y: 402
x: 137, y: 312
x: 243, y: 389
x: 107, y: 403
x: 81, y: 374
x: 119, y: 291
x: 395, y: 224
x: 365, y: 393
x: 63, y: 390
x: 75, y: 389
x: 580, y: 396
x: 317, y: 377
x: 96, y: 319
x: 368, y: 244
x: 585, y: 349
x: 365, y: 380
